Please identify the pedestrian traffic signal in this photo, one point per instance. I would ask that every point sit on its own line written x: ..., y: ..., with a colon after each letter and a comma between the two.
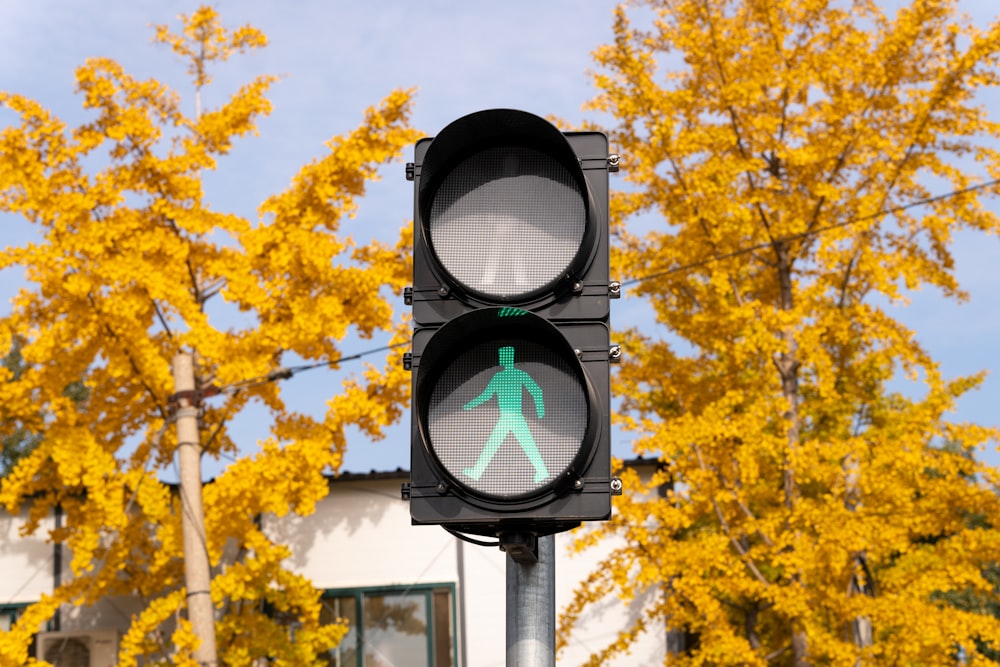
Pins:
x: 510, y: 404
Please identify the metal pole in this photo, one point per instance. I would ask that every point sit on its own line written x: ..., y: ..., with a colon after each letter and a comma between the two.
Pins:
x: 462, y: 607
x: 531, y: 608
x: 197, y: 578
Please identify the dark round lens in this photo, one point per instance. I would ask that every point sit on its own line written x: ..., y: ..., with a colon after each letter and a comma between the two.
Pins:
x: 507, y: 222
x: 507, y: 417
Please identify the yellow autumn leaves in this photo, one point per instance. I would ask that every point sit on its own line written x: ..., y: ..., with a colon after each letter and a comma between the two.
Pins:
x: 130, y: 258
x: 793, y: 477
x: 772, y: 139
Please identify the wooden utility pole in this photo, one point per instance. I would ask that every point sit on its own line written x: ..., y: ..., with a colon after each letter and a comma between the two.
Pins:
x: 197, y: 578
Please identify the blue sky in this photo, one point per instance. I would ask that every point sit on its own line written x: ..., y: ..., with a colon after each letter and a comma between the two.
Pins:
x: 336, y: 58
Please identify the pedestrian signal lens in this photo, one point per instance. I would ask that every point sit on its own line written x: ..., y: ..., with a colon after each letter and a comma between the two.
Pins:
x: 507, y: 417
x: 507, y: 222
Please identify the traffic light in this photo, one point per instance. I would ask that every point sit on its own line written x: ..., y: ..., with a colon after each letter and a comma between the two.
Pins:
x: 510, y: 401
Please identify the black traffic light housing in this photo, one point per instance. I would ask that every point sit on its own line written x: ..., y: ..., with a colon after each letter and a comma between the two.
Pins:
x: 511, y: 400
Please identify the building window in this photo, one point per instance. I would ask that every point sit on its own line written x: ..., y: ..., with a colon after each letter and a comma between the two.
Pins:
x: 9, y: 614
x: 399, y: 626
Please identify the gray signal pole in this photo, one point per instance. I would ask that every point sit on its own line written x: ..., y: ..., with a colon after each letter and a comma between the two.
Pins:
x: 197, y: 579
x: 531, y: 606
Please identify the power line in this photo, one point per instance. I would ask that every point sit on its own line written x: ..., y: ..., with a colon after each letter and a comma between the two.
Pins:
x: 285, y: 373
x: 281, y: 373
x: 801, y: 235
x: 350, y: 357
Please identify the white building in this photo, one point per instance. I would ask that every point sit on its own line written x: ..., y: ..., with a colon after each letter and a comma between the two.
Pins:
x: 446, y: 597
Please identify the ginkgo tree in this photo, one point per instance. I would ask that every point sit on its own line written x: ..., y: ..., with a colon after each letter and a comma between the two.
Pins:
x: 786, y: 156
x: 128, y: 262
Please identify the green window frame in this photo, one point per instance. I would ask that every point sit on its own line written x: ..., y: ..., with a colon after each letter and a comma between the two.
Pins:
x: 9, y: 613
x: 394, y: 626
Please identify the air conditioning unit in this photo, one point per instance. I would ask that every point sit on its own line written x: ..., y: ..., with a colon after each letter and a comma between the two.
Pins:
x: 84, y: 648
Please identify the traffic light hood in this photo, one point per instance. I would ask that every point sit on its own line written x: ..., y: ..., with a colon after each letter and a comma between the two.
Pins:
x: 486, y: 129
x: 507, y: 187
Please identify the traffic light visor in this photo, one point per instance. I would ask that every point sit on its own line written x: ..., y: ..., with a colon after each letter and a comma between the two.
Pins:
x: 505, y: 208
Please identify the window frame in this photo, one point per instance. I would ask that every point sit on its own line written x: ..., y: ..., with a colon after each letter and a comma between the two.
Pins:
x: 12, y: 611
x: 358, y: 593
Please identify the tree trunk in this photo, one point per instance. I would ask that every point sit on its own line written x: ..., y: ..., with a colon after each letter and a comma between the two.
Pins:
x: 787, y: 364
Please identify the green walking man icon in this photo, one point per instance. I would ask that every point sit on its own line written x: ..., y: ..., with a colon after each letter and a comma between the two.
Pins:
x: 507, y: 385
